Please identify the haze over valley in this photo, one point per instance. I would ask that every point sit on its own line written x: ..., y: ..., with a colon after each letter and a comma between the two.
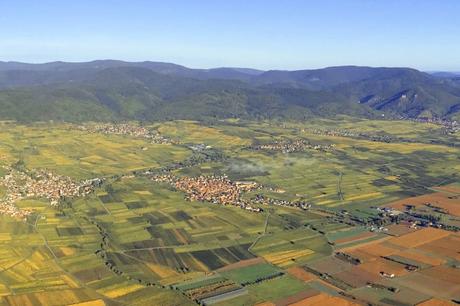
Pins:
x: 316, y: 164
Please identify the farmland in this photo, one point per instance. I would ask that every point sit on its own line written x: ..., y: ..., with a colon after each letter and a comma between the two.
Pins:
x: 187, y: 212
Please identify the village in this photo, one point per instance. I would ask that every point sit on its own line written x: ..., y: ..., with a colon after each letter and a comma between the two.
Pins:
x: 298, y: 145
x: 448, y: 128
x: 43, y: 184
x: 126, y: 129
x: 220, y: 190
x: 213, y: 189
x: 347, y: 133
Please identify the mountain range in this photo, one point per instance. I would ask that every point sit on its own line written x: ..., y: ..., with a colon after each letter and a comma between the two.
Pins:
x: 118, y: 90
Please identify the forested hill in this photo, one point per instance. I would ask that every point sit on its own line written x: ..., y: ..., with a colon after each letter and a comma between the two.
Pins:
x: 116, y: 90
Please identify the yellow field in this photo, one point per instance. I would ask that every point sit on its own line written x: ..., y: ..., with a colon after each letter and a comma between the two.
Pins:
x: 364, y: 196
x: 77, y: 154
x: 189, y: 131
x: 162, y: 271
x: 119, y: 290
x: 90, y: 303
x: 285, y: 258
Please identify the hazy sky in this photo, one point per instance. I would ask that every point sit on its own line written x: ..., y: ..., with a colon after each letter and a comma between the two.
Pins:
x: 278, y: 34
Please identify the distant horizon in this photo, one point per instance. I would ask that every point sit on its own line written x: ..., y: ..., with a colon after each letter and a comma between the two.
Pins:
x: 219, y: 67
x: 263, y: 34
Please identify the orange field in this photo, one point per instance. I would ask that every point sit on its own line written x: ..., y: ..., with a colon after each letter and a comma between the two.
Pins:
x: 242, y: 264
x: 436, y: 302
x: 445, y: 273
x: 444, y: 200
x: 420, y: 237
x: 420, y: 257
x: 383, y: 265
x: 447, y: 246
x: 431, y: 286
x: 449, y: 188
x: 301, y: 274
x: 363, y: 245
x: 369, y: 252
x: 357, y: 277
x: 324, y: 299
x: 290, y: 300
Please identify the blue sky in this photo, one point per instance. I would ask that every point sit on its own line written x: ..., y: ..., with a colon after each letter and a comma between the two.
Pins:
x: 265, y: 34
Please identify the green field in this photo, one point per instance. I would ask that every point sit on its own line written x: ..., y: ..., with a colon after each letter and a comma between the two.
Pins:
x: 252, y: 274
x: 133, y: 241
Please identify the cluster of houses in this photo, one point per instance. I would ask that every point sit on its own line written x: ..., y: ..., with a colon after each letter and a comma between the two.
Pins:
x: 261, y: 199
x: 290, y: 146
x: 347, y: 133
x: 126, y: 129
x: 21, y: 185
x: 450, y: 126
x: 430, y: 215
x: 221, y: 190
x: 8, y: 208
x: 414, y: 217
x: 213, y: 189
x: 388, y: 211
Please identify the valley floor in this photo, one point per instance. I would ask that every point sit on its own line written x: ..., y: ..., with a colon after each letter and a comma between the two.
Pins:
x: 343, y: 212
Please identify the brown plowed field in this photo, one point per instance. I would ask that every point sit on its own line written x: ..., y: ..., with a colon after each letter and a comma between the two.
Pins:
x: 431, y: 286
x: 444, y: 200
x: 447, y: 246
x: 241, y: 264
x: 400, y: 229
x: 436, y: 302
x: 383, y: 265
x: 421, y: 257
x: 364, y: 245
x: 300, y: 273
x: 297, y: 297
x: 420, y: 237
x: 330, y: 265
x: 449, y: 188
x: 445, y: 273
x: 368, y: 253
x: 357, y: 277
x: 324, y: 299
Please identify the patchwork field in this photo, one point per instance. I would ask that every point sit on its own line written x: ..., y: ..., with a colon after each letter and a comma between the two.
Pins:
x: 345, y: 219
